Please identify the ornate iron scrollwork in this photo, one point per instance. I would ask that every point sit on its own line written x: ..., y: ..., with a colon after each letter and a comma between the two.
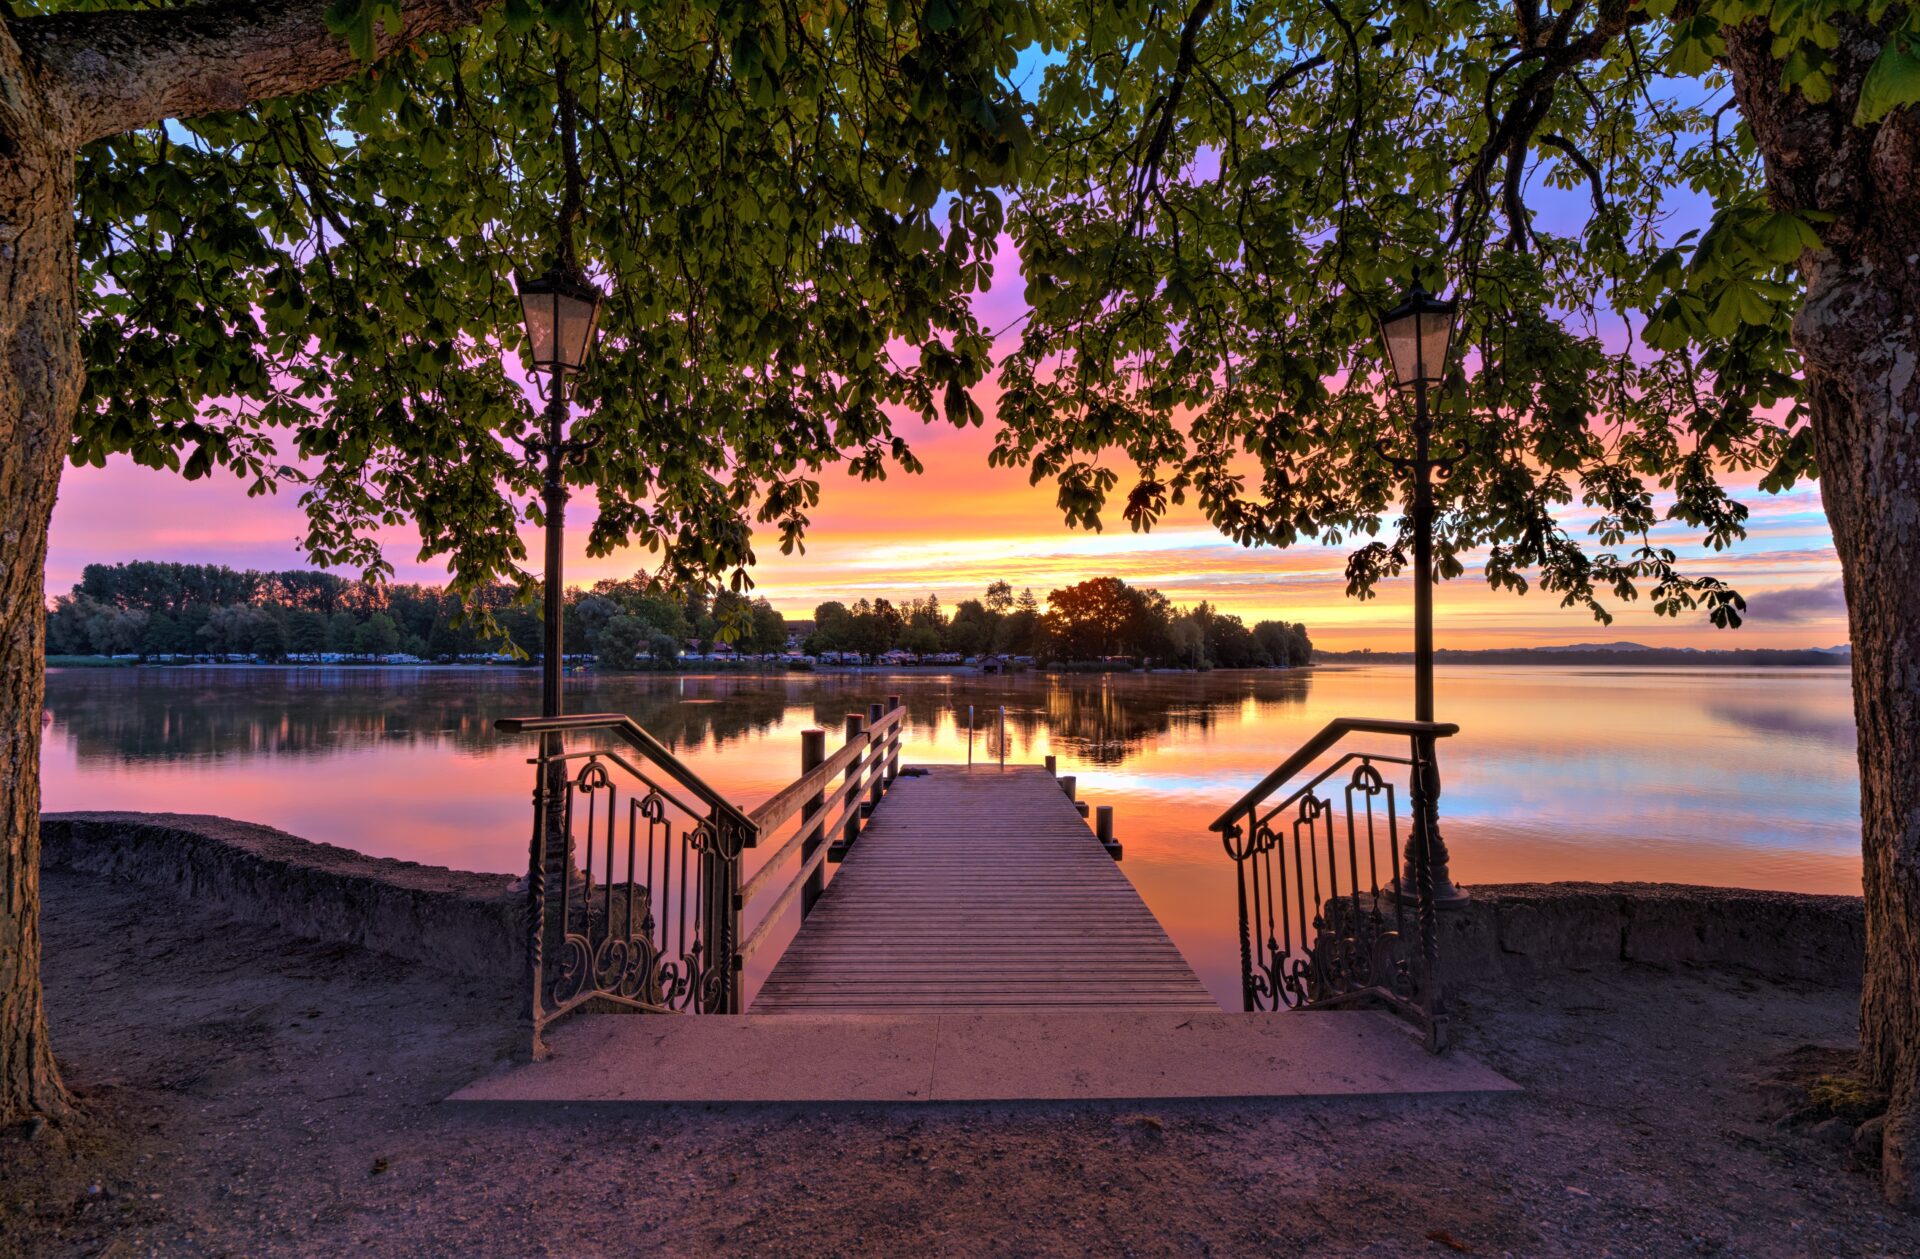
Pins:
x: 631, y: 889
x: 1318, y: 925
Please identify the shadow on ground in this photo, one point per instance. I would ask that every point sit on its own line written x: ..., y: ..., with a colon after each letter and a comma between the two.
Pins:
x: 247, y: 1093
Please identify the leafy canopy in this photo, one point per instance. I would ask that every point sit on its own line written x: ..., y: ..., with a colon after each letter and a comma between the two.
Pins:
x: 318, y: 292
x: 1228, y: 194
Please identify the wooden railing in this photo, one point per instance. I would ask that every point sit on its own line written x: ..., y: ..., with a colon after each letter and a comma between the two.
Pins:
x: 634, y: 889
x: 866, y: 764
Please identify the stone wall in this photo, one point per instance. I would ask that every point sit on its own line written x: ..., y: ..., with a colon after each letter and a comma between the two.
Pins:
x: 471, y: 924
x: 454, y: 920
x: 1519, y: 930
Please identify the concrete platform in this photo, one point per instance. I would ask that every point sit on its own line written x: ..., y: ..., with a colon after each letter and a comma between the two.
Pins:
x: 1140, y: 1054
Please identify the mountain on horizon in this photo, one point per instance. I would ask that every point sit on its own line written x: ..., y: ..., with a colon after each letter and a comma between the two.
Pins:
x: 1605, y: 652
x: 1843, y: 649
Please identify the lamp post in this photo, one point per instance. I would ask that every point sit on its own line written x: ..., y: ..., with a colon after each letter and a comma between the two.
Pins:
x: 561, y: 311
x: 1418, y: 334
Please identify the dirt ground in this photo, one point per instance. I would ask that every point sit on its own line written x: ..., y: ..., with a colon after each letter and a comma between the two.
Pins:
x: 246, y: 1093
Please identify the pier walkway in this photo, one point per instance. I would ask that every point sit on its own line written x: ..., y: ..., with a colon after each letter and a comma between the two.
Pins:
x: 979, y: 889
x: 977, y: 942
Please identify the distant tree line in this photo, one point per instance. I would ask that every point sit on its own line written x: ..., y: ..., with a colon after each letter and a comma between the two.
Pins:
x: 1100, y: 619
x: 158, y: 609
x: 155, y: 609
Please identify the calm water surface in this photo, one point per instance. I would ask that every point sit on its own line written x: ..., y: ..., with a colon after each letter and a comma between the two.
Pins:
x: 1734, y: 777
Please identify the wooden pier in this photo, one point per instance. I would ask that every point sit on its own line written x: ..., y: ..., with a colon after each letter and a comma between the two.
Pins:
x: 977, y: 943
x: 979, y: 889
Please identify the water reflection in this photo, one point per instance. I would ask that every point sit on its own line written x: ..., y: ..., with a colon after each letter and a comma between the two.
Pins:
x: 116, y: 716
x: 1742, y: 778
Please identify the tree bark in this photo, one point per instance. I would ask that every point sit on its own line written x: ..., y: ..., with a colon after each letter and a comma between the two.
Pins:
x: 1858, y: 334
x: 110, y: 71
x: 40, y: 380
x: 66, y: 80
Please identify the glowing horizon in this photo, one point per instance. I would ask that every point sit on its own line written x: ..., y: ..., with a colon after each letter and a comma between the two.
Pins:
x: 961, y: 525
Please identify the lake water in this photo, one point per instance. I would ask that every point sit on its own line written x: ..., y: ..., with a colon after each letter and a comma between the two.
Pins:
x: 1740, y: 778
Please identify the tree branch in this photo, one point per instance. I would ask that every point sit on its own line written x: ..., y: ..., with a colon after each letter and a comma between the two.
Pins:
x: 108, y: 72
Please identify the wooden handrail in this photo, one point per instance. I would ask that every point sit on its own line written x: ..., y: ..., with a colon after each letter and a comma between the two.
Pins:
x: 864, y: 760
x: 786, y: 802
x: 629, y: 731
x: 1330, y: 734
x: 859, y: 776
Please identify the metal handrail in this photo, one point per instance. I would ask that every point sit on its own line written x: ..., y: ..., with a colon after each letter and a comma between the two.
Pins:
x: 1306, y: 788
x: 661, y: 931
x: 629, y: 731
x: 1310, y: 751
x: 1320, y: 932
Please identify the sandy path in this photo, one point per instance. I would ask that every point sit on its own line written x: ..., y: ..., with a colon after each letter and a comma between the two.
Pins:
x: 251, y: 1094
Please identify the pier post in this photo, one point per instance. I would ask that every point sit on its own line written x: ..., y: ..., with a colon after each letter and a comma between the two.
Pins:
x: 813, y: 750
x: 1069, y: 783
x: 1103, y: 830
x: 894, y: 740
x: 1053, y: 766
x: 876, y: 757
x: 850, y: 831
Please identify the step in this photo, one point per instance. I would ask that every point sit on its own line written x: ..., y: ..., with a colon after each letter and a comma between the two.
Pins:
x: 1042, y: 1055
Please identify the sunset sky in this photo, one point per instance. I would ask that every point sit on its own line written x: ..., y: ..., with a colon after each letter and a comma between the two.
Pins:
x: 961, y: 524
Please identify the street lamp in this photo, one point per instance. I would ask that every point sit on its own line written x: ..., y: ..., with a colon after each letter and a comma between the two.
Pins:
x: 1418, y: 334
x: 561, y: 311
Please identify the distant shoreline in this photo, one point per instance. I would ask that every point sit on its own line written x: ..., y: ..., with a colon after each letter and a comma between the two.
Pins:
x: 1632, y: 657
x: 1520, y: 657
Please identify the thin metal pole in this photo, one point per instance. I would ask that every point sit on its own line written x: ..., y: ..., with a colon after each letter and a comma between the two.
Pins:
x: 559, y: 846
x: 1422, y: 556
x: 1426, y: 812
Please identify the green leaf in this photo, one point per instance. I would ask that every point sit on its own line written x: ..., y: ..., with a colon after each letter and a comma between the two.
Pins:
x: 1892, y: 82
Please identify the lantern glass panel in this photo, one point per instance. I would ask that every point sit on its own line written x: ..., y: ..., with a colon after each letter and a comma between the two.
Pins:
x: 1403, y: 347
x: 1436, y: 330
x: 575, y: 319
x: 538, y: 310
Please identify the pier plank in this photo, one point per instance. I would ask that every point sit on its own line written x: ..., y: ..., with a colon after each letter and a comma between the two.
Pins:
x: 979, y: 889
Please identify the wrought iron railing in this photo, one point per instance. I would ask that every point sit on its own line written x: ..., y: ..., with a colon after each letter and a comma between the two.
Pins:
x: 1319, y: 924
x: 635, y: 894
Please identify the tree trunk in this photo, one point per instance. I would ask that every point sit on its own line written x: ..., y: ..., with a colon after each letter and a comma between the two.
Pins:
x: 40, y: 380
x: 1858, y: 334
x: 1867, y: 429
x: 67, y: 79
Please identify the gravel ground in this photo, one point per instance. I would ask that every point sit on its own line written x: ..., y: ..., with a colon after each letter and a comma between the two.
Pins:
x: 246, y: 1093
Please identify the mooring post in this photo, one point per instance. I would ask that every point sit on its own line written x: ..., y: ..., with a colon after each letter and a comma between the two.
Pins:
x: 1003, y: 736
x: 1103, y: 823
x: 813, y: 750
x: 876, y: 758
x: 969, y: 734
x: 1053, y: 766
x: 1069, y: 783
